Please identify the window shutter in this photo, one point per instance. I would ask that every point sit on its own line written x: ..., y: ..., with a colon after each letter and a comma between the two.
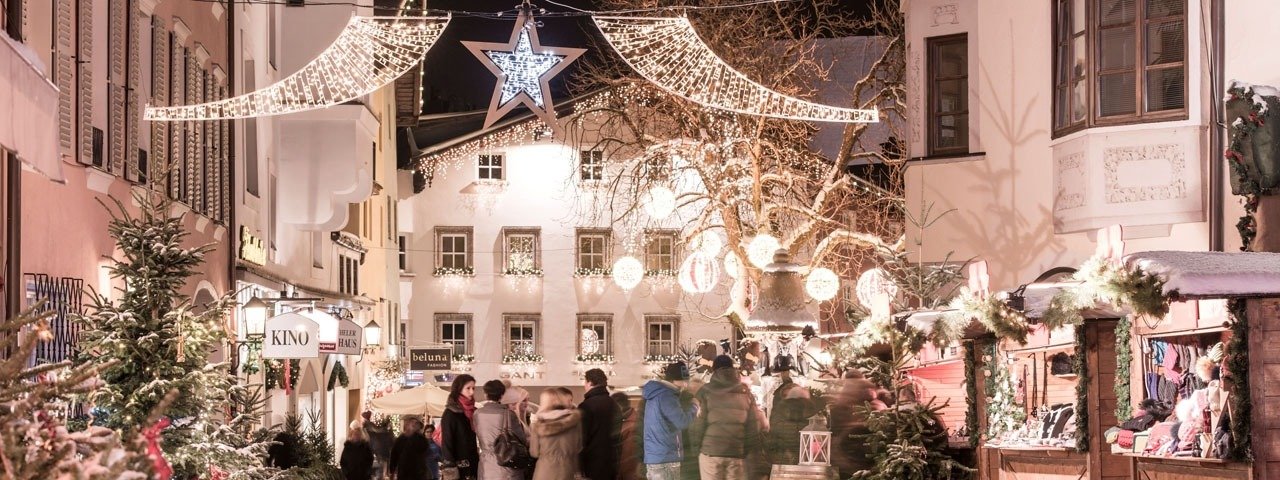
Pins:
x: 198, y: 177
x: 177, y: 65
x: 133, y: 108
x: 224, y: 184
x: 193, y: 88
x: 117, y: 55
x: 64, y: 76
x: 159, y: 97
x: 84, y: 78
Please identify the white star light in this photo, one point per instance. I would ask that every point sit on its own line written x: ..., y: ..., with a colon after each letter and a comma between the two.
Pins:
x: 523, y: 69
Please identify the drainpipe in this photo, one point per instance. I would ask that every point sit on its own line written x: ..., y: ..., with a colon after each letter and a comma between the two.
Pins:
x: 1217, y: 77
x: 232, y: 59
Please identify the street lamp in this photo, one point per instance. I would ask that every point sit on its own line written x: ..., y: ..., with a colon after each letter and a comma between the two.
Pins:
x: 372, y: 335
x: 255, y: 318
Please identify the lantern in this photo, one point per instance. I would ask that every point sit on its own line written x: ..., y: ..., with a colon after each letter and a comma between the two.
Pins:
x: 822, y: 284
x: 255, y: 318
x: 732, y: 265
x: 627, y: 272
x: 659, y: 202
x: 699, y: 273
x: 760, y: 250
x: 875, y: 282
x: 372, y: 335
x: 815, y: 442
x: 782, y: 297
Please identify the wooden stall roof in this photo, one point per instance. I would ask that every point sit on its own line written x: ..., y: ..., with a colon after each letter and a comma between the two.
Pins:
x: 1036, y: 298
x: 1212, y: 275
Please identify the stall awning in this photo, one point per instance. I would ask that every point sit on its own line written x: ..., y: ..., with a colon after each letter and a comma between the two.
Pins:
x: 425, y: 400
x: 1212, y: 275
x: 28, y: 110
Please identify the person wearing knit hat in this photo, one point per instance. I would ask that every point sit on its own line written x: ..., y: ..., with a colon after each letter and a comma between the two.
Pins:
x: 722, y: 361
x: 666, y: 411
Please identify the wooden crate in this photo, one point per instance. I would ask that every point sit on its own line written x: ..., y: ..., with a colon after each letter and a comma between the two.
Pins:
x: 803, y: 472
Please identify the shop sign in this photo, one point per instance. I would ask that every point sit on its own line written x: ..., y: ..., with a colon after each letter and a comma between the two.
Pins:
x: 413, y: 378
x: 440, y: 358
x: 251, y: 249
x: 349, y: 337
x: 291, y: 335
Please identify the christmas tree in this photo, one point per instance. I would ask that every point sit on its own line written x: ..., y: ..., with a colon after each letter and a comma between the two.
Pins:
x: 152, y: 340
x: 33, y: 443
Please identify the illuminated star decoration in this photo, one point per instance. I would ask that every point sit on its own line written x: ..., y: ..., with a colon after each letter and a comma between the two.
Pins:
x: 524, y: 68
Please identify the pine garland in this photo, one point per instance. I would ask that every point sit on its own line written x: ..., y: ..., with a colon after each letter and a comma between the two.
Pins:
x: 1081, y: 368
x: 1124, y: 358
x: 971, y: 394
x: 990, y: 311
x: 1243, y: 183
x: 1103, y: 281
x: 1237, y: 366
x: 275, y: 373
x: 338, y: 375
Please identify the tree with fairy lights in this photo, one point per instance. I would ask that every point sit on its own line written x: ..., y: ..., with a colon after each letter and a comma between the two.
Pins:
x: 151, y: 340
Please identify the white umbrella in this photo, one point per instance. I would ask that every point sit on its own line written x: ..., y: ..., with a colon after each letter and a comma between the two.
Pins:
x: 425, y: 400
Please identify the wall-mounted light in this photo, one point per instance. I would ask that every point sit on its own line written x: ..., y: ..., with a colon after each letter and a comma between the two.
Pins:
x: 372, y: 335
x: 255, y: 318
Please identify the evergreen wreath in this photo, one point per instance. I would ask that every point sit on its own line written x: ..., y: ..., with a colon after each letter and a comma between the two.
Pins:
x: 1124, y: 357
x: 339, y: 374
x: 1237, y: 369
x: 1081, y: 367
x: 971, y: 394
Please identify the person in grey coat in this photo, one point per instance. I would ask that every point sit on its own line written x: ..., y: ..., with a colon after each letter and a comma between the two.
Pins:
x: 490, y: 420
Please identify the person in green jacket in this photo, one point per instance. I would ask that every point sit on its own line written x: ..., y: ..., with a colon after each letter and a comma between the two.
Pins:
x: 729, y: 424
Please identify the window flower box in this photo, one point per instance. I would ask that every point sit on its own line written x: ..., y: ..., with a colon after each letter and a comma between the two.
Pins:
x: 454, y: 272
x: 523, y: 272
x: 592, y: 272
x: 522, y: 359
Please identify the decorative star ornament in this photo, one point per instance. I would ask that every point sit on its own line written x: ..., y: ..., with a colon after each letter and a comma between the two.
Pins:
x: 524, y: 68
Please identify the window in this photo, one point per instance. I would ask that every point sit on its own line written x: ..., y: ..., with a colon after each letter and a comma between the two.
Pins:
x: 98, y: 161
x: 948, y: 95
x: 1135, y: 71
x: 660, y: 335
x: 251, y: 138
x: 317, y: 249
x: 61, y: 297
x: 593, y: 249
x: 489, y: 166
x: 659, y: 253
x: 348, y: 275
x: 404, y: 252
x: 591, y: 168
x: 521, y: 335
x: 594, y: 334
x: 454, y: 329
x: 520, y: 251
x: 13, y: 18
x: 657, y: 167
x: 453, y: 245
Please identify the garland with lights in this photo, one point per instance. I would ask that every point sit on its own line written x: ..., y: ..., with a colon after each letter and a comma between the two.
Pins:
x: 660, y: 273
x: 463, y: 358
x: 662, y: 359
x: 594, y: 358
x: 592, y: 272
x: 1003, y: 412
x: 1237, y: 369
x: 990, y: 311
x: 523, y: 272
x: 1124, y: 357
x: 521, y: 359
x: 1080, y: 366
x: 1103, y: 281
x: 971, y: 394
x: 454, y: 272
x: 274, y: 373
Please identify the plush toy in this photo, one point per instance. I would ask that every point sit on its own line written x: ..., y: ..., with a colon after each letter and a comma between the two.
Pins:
x: 1190, y: 418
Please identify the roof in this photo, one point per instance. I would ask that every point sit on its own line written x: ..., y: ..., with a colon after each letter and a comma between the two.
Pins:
x: 1210, y: 275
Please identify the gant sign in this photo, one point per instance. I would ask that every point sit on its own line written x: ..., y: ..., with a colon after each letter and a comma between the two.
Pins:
x: 291, y: 335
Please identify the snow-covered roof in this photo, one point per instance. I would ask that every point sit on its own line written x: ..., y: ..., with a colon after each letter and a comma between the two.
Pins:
x: 1203, y: 275
x: 1037, y: 296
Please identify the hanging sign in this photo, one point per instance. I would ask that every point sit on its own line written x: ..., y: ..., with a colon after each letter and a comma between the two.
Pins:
x: 431, y: 359
x: 348, y: 342
x: 251, y: 249
x: 291, y: 335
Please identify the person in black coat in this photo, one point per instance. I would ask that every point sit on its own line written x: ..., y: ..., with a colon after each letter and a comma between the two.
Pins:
x: 283, y: 452
x: 357, y: 456
x: 599, y: 457
x: 409, y: 454
x: 457, y: 435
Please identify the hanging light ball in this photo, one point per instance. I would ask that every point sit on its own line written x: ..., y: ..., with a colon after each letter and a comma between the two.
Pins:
x: 709, y: 243
x: 659, y: 202
x: 699, y: 273
x: 822, y: 284
x: 760, y: 250
x: 590, y: 342
x: 733, y: 265
x: 627, y: 272
x: 874, y: 282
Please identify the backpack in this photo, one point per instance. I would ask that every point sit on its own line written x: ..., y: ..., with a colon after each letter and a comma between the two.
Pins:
x: 510, y: 450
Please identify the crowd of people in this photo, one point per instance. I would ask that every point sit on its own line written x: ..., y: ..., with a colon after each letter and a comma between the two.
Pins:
x: 679, y: 430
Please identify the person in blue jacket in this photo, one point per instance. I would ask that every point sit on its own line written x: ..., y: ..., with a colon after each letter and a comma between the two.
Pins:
x: 668, y: 409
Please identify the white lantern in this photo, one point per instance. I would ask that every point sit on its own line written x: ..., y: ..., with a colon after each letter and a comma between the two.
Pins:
x: 874, y: 282
x: 815, y: 442
x: 699, y: 273
x: 761, y: 249
x: 659, y: 202
x: 709, y: 243
x: 732, y: 265
x: 822, y: 284
x: 627, y: 272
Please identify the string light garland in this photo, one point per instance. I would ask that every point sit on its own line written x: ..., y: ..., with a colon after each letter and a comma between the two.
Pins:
x: 668, y: 52
x: 437, y: 163
x: 370, y: 53
x: 524, y: 68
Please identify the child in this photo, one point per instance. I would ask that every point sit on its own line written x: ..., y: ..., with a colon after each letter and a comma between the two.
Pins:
x: 433, y: 453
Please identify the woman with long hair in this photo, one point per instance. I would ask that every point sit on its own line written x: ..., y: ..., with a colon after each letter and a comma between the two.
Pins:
x: 458, y: 436
x: 357, y: 455
x: 556, y: 437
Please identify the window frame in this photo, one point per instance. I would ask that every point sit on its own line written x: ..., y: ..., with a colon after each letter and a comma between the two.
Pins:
x: 593, y: 159
x: 934, y: 113
x: 402, y: 250
x: 500, y: 168
x: 655, y: 236
x: 592, y: 319
x: 468, y: 254
x: 530, y: 320
x: 1093, y: 117
x: 454, y: 319
x: 607, y: 239
x: 651, y: 321
x: 508, y: 233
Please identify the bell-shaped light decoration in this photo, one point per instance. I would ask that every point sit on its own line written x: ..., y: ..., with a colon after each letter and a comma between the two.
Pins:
x: 627, y: 272
x: 822, y: 284
x: 659, y: 202
x: 699, y: 273
x: 760, y: 250
x: 874, y: 282
x: 782, y: 298
x: 732, y: 265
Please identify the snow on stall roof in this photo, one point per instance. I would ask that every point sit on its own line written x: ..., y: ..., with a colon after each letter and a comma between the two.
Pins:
x: 1213, y: 274
x: 1037, y: 296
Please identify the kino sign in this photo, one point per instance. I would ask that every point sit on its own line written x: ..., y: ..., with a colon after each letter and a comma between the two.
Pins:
x: 348, y: 342
x: 291, y: 335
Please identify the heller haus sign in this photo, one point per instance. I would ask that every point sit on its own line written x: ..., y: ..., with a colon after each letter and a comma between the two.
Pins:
x: 291, y: 335
x: 349, y: 336
x: 440, y: 358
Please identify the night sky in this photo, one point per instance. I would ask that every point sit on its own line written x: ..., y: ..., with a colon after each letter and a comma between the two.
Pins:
x: 456, y: 81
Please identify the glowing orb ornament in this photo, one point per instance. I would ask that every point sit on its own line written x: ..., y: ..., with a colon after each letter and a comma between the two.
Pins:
x: 627, y: 272
x: 708, y: 243
x: 659, y: 202
x: 699, y: 273
x: 822, y: 284
x: 761, y: 249
x: 590, y: 342
x: 874, y: 282
x: 732, y: 265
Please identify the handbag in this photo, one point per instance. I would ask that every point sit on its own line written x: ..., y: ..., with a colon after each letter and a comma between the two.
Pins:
x: 510, y: 450
x: 1222, y: 440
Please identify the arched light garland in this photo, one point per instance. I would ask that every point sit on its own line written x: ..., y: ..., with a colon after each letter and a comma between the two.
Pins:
x: 668, y: 52
x: 370, y: 53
